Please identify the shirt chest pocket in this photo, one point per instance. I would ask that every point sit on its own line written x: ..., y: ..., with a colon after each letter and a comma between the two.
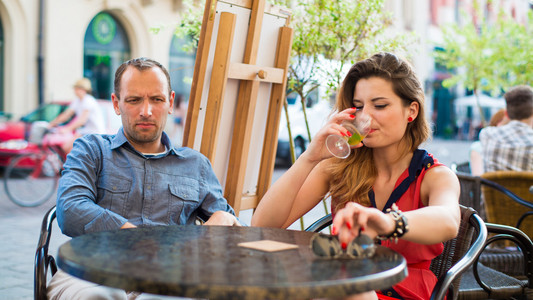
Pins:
x: 113, y: 193
x: 184, y: 200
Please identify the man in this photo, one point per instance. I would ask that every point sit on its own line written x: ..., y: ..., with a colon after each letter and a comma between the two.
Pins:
x: 88, y: 116
x: 510, y: 146
x: 134, y: 177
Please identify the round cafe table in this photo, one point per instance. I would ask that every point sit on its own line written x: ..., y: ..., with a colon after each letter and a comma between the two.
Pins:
x: 207, y: 262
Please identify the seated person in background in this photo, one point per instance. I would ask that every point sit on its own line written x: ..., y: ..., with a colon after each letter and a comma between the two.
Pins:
x: 135, y: 177
x: 510, y: 146
x: 386, y: 168
x: 476, y: 149
x: 87, y: 115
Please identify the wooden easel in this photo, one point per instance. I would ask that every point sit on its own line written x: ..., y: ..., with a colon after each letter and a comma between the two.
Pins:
x: 249, y: 76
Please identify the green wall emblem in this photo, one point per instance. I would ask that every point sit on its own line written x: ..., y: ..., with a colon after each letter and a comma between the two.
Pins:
x: 104, y: 28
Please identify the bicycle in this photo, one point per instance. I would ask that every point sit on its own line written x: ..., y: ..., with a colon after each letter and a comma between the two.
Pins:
x: 32, y: 177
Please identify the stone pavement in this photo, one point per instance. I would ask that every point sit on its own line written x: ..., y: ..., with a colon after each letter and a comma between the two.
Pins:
x: 20, y: 226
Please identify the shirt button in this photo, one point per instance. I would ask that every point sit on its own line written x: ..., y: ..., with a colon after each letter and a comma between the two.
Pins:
x: 114, y: 188
x: 147, y: 187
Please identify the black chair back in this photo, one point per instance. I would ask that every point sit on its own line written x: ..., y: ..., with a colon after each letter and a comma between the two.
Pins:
x: 44, y: 261
x: 471, y: 193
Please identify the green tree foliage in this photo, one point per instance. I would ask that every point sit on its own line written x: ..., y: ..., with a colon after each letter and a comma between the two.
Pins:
x: 331, y: 35
x: 487, y: 56
x: 513, y: 45
x: 191, y: 24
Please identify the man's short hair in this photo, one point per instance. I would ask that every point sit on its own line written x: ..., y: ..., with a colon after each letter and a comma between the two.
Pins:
x: 141, y: 64
x: 519, y: 101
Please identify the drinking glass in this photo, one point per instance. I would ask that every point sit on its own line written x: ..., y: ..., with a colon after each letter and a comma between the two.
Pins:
x: 359, y: 127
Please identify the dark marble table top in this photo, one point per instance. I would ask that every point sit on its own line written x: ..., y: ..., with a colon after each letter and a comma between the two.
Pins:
x: 205, y: 262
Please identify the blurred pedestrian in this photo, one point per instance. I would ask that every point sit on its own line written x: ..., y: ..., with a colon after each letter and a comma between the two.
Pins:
x: 86, y: 117
x: 510, y: 146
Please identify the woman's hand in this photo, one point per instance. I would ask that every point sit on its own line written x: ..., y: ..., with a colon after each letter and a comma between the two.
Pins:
x: 355, y: 217
x: 317, y: 151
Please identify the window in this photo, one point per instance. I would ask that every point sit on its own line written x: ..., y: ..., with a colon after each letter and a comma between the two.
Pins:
x: 106, y: 48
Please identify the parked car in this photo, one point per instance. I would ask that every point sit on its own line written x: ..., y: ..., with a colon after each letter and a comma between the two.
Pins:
x: 317, y: 115
x: 14, y: 135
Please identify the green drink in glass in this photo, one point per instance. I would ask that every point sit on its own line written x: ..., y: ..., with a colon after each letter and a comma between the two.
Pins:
x: 359, y: 127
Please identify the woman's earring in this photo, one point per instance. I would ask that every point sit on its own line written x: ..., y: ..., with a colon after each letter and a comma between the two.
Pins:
x: 410, y: 119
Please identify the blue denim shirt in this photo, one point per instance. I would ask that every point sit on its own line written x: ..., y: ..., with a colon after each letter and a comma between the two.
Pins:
x: 106, y: 183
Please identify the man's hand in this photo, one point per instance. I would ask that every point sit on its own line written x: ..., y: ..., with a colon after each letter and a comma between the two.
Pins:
x: 222, y: 218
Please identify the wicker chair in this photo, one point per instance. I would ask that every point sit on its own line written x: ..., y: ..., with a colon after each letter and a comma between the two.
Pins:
x: 459, y: 253
x: 504, y: 268
x: 483, y: 282
x: 471, y: 193
x: 503, y: 260
x: 505, y: 208
x: 463, y: 167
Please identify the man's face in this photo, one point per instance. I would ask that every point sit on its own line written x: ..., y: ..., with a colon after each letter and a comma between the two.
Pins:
x: 143, y: 106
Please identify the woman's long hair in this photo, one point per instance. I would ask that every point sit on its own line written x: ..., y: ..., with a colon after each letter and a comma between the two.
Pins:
x: 353, y: 177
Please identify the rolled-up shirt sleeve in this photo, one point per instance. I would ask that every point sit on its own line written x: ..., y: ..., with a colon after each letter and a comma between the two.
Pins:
x: 77, y: 210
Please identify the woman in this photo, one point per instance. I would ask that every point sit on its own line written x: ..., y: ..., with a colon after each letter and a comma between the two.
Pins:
x: 386, y: 168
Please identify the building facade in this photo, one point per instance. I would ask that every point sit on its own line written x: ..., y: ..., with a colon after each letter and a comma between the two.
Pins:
x: 46, y: 45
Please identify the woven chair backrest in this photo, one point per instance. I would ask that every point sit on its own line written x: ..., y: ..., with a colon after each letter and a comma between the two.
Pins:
x: 500, y: 208
x: 471, y: 193
x: 456, y: 248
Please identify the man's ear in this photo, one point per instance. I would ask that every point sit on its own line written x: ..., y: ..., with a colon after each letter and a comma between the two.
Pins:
x: 115, y: 100
x: 171, y: 102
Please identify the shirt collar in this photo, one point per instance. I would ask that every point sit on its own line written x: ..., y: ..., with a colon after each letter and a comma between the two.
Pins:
x: 120, y: 140
x: 518, y: 123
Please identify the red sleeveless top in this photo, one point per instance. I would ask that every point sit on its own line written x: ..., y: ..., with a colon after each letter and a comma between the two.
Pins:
x: 406, y: 194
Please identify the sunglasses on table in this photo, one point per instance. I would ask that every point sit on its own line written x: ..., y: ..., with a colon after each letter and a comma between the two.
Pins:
x: 328, y: 246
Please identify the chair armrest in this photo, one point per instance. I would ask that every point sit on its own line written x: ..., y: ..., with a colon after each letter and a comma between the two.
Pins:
x: 504, y: 232
x: 320, y: 224
x: 443, y: 284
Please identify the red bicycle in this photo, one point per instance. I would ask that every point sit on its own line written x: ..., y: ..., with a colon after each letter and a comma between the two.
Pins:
x: 31, y: 177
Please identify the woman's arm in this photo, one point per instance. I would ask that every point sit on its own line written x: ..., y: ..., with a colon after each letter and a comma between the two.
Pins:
x: 291, y: 196
x: 304, y: 184
x: 437, y: 222
x: 440, y: 192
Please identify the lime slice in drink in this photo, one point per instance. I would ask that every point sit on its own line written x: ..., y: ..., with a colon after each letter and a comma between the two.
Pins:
x: 356, y: 138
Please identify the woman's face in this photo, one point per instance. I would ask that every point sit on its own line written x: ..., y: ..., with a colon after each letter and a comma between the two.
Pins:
x: 375, y: 97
